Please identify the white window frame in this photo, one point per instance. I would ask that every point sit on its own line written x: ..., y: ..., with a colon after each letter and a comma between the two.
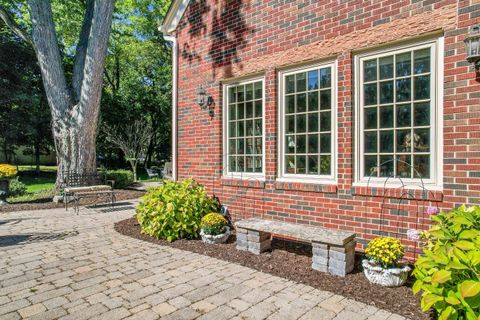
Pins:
x: 226, y: 172
x: 435, y: 182
x: 307, y: 178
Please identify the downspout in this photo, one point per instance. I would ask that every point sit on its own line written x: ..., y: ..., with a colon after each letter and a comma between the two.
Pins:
x: 173, y: 41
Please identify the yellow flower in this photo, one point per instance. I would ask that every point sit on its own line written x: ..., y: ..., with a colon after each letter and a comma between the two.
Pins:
x: 386, y: 251
x: 7, y: 171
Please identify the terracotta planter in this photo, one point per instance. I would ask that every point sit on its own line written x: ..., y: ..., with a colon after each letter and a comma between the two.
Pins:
x: 387, y: 277
x: 3, y: 191
x: 213, y: 239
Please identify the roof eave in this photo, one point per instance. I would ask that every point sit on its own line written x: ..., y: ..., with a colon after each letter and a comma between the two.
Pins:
x: 174, y: 15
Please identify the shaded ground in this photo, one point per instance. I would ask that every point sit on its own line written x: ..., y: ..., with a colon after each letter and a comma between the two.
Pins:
x: 293, y: 262
x: 46, y: 203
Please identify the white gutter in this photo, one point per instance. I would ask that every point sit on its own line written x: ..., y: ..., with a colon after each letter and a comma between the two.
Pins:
x: 173, y: 40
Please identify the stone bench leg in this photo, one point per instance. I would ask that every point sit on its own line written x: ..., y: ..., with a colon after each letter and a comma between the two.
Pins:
x: 253, y: 241
x: 338, y: 260
x: 320, y: 257
x: 341, y: 259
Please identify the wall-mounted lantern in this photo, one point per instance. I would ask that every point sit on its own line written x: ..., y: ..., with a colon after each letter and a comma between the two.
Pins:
x: 472, y: 46
x: 205, y: 101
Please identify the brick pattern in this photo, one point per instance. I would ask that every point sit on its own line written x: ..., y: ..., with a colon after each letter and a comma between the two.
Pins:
x: 100, y: 274
x: 224, y: 40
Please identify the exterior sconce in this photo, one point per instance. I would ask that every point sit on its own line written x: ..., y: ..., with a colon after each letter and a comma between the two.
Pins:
x: 205, y: 101
x: 472, y: 46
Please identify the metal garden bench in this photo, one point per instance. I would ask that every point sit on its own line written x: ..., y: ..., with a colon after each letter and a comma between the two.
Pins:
x: 152, y: 173
x: 333, y: 250
x: 78, y: 186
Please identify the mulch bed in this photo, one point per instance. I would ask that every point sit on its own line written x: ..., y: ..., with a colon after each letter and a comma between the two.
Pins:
x: 47, y: 203
x: 292, y: 260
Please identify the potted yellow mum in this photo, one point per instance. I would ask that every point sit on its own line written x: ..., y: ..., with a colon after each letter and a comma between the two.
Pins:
x: 7, y: 172
x: 214, y: 228
x: 382, y: 264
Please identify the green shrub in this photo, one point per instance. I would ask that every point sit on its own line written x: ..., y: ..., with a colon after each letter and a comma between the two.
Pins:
x: 448, y: 272
x: 174, y: 210
x: 122, y: 178
x: 16, y: 188
x: 213, y: 224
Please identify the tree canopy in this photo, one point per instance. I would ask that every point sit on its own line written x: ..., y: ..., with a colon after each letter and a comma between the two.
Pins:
x: 137, y: 78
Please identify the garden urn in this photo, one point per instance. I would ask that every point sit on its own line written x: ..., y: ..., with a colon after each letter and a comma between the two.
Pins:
x: 387, y: 277
x: 213, y: 239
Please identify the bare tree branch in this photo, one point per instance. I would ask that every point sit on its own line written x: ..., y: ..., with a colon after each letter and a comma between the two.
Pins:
x: 109, y: 79
x: 81, y: 52
x: 91, y: 88
x: 133, y: 140
x: 49, y: 59
x: 14, y: 26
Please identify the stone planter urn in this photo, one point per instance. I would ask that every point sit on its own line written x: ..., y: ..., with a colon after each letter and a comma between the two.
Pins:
x: 387, y: 277
x: 3, y: 192
x: 213, y: 239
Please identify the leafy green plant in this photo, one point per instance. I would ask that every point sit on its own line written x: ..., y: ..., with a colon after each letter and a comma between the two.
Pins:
x: 174, y: 210
x: 16, y: 188
x: 123, y: 178
x: 214, y: 224
x: 448, y: 272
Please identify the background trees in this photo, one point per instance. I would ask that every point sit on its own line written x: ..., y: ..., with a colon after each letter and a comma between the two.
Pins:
x: 136, y: 82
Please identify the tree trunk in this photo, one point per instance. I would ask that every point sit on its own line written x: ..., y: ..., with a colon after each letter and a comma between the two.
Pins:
x: 133, y: 164
x: 75, y: 148
x: 74, y: 109
x: 37, y: 156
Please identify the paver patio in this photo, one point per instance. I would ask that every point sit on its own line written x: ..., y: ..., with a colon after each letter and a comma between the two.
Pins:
x: 57, y: 265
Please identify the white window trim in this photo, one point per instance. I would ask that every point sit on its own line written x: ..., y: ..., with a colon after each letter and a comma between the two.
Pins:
x: 252, y: 176
x: 307, y: 178
x: 436, y: 135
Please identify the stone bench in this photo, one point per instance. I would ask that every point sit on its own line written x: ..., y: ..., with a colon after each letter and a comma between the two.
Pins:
x: 333, y: 251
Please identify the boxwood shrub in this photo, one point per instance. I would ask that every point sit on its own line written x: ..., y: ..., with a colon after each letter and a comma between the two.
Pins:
x: 123, y: 178
x: 175, y: 210
x: 16, y: 188
x: 448, y: 272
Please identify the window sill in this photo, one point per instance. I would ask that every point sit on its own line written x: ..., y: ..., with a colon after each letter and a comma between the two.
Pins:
x: 245, y: 182
x: 397, y: 191
x: 306, y: 186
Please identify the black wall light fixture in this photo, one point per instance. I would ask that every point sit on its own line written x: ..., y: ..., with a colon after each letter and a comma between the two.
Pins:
x: 205, y: 101
x: 472, y: 46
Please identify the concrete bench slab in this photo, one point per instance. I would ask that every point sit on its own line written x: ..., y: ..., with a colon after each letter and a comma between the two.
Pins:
x: 333, y: 250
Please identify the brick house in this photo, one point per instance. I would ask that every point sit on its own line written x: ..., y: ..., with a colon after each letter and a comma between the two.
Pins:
x: 353, y: 115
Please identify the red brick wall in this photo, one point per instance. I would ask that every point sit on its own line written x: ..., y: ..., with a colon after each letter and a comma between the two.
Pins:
x: 227, y: 39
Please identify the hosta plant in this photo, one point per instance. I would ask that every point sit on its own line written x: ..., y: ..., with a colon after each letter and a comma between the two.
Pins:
x: 175, y: 210
x: 7, y: 171
x: 448, y: 272
x: 214, y: 224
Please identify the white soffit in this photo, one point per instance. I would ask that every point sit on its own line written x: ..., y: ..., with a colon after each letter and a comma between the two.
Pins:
x: 174, y: 15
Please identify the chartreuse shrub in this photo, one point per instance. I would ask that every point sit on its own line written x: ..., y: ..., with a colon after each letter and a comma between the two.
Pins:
x: 448, y: 272
x: 175, y: 210
x: 213, y: 224
x: 385, y: 251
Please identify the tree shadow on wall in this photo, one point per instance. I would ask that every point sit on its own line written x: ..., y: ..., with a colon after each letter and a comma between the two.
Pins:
x: 227, y: 35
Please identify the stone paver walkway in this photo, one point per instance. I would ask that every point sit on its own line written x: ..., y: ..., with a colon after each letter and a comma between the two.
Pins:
x: 57, y: 265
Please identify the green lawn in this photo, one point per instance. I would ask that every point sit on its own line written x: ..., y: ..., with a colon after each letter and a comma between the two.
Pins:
x: 45, y: 180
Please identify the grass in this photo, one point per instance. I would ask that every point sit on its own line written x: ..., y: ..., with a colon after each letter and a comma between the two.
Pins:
x: 24, y: 168
x: 42, y: 185
x: 39, y: 186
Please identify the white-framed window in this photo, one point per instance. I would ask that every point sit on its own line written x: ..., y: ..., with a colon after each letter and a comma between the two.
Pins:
x: 398, y: 118
x: 243, y: 132
x: 307, y: 124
